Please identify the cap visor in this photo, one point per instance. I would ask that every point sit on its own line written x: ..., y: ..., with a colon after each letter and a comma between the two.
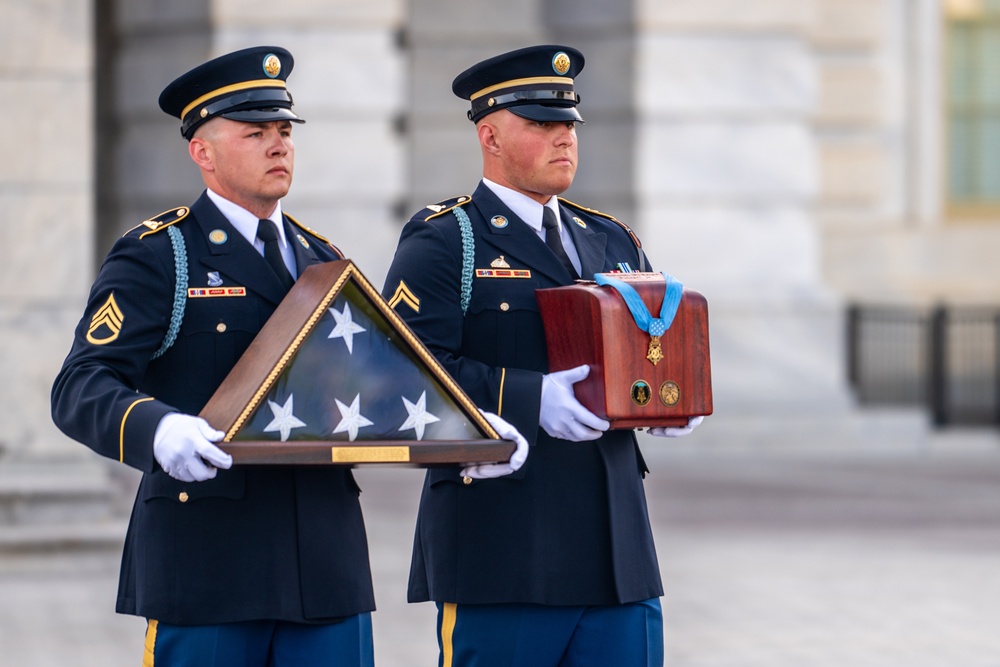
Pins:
x: 546, y: 113
x: 267, y: 115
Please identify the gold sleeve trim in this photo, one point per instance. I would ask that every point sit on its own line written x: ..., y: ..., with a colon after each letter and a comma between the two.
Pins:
x: 503, y: 378
x: 121, y: 434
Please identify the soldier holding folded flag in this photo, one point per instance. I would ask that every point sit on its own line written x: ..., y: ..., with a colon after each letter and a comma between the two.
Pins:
x: 246, y: 565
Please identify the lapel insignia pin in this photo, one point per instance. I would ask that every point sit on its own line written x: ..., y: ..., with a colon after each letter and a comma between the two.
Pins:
x: 498, y: 221
x: 214, y: 280
x: 579, y: 222
x: 305, y: 244
x: 218, y: 237
x: 500, y: 263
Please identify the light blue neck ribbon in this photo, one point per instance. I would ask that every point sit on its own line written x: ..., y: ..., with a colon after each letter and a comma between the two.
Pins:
x: 643, y: 318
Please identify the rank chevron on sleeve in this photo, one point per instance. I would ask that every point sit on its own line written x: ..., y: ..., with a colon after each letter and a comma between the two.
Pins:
x: 109, y: 316
x: 403, y: 294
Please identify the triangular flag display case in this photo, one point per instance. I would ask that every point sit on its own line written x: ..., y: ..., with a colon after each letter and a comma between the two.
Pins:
x: 335, y: 376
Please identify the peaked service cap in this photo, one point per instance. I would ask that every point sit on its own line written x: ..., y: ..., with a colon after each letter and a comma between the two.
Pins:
x: 534, y: 82
x: 246, y: 85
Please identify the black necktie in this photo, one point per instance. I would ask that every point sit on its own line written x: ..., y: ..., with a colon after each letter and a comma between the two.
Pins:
x: 268, y: 233
x: 553, y: 241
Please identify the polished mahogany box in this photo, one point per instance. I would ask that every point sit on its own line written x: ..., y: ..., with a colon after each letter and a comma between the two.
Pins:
x: 636, y: 379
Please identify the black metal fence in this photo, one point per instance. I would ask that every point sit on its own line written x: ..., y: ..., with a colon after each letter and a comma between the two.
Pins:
x: 945, y: 358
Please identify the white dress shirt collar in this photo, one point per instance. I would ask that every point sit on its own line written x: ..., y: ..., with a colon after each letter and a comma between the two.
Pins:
x: 246, y: 222
x: 523, y: 206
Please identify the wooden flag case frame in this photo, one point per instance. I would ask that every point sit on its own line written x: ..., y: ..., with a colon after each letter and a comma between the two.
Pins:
x: 247, y: 385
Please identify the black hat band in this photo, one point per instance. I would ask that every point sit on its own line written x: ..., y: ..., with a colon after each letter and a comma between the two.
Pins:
x: 280, y: 96
x: 494, y: 102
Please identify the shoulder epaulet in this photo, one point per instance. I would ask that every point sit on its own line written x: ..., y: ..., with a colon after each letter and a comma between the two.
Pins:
x: 635, y: 239
x: 314, y: 233
x: 443, y: 207
x: 161, y: 221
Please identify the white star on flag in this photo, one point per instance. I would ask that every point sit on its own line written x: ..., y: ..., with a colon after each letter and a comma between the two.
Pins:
x: 418, y: 416
x: 284, y: 421
x: 351, y: 418
x: 346, y: 327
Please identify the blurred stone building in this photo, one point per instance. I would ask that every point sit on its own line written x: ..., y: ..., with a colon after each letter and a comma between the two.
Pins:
x: 783, y: 157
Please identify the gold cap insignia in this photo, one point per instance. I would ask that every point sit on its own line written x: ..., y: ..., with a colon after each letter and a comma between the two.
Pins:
x: 500, y: 263
x: 106, y: 323
x: 498, y: 221
x: 272, y: 65
x: 579, y: 222
x: 217, y: 236
x: 560, y: 63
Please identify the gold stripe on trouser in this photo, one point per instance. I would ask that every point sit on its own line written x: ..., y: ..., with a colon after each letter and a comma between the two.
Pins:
x: 150, y: 647
x: 449, y: 614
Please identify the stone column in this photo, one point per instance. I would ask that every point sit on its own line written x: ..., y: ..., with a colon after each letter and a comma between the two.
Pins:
x: 53, y: 492
x: 46, y: 194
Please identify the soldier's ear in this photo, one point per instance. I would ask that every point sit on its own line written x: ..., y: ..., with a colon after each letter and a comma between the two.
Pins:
x: 489, y: 138
x: 201, y: 152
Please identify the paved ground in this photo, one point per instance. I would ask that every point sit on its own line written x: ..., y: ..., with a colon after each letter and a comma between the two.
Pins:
x: 779, y: 558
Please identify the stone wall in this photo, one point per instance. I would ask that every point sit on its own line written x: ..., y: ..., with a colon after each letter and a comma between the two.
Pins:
x: 888, y: 236
x: 348, y: 84
x: 46, y: 193
x: 781, y: 156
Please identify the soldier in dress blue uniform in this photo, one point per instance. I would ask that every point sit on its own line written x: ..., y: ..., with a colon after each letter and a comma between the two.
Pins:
x: 253, y: 565
x: 553, y: 564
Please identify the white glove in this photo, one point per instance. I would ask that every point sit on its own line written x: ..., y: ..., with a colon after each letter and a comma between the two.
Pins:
x: 561, y: 415
x: 183, y: 446
x: 490, y: 470
x: 675, y: 431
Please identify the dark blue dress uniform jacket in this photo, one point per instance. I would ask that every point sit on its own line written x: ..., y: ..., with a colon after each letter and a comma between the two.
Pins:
x: 571, y: 527
x: 256, y: 542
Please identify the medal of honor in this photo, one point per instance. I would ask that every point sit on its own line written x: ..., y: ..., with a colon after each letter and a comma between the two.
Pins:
x: 654, y: 326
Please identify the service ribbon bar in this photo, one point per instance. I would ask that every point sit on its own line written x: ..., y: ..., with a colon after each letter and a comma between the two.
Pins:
x: 202, y: 292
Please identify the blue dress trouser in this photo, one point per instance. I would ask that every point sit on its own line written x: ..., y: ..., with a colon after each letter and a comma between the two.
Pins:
x: 516, y: 635
x: 346, y: 643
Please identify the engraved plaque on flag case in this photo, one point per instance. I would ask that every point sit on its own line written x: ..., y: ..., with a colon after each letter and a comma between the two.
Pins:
x: 336, y: 377
x: 586, y: 323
